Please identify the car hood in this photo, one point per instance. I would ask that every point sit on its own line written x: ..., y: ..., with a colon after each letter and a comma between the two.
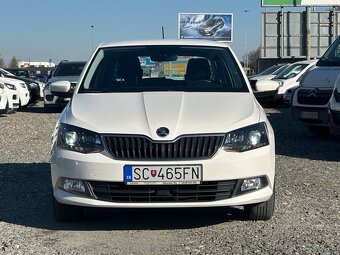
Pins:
x: 64, y: 78
x: 322, y: 77
x: 180, y: 112
x: 10, y: 80
x: 26, y: 80
x: 262, y: 77
x: 267, y: 85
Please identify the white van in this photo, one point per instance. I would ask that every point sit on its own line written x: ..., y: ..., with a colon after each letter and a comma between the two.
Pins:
x: 310, y: 101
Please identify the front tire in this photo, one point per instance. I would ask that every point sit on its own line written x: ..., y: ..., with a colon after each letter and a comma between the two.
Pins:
x: 261, y: 211
x: 66, y: 213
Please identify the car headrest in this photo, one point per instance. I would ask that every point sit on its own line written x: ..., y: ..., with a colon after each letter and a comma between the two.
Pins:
x: 198, y: 69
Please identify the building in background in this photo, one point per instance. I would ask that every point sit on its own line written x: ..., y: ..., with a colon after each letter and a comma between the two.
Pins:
x: 26, y: 64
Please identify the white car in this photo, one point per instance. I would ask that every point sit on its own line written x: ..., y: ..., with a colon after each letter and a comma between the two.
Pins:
x: 267, y: 74
x: 65, y: 71
x: 21, y: 88
x: 193, y: 137
x: 10, y: 96
x: 274, y: 89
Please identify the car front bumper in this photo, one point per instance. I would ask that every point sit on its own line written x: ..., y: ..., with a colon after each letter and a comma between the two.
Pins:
x: 271, y: 95
x: 224, y: 166
x: 13, y: 100
x: 310, y: 116
x: 3, y: 101
x: 24, y: 98
x: 334, y: 123
x: 52, y: 101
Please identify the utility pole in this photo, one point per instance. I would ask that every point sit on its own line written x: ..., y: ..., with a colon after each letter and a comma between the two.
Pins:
x: 245, y: 41
x: 92, y: 27
x: 308, y: 42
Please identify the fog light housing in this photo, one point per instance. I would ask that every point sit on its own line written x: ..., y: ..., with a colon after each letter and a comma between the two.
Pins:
x: 74, y: 185
x: 251, y: 184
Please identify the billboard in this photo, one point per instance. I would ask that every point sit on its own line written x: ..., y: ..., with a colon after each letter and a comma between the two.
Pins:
x: 300, y: 3
x: 211, y: 26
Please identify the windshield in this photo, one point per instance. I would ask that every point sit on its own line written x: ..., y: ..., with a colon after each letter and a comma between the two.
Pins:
x: 6, y: 72
x: 280, y: 70
x: 69, y: 69
x: 163, y: 68
x: 332, y: 55
x: 291, y: 71
x: 270, y: 70
x: 20, y: 73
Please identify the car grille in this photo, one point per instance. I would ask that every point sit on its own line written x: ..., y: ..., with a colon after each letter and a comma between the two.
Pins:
x: 314, y: 96
x: 14, y: 97
x: 205, y: 192
x: 142, y: 148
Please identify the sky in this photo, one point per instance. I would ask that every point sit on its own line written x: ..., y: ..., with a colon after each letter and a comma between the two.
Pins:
x: 41, y: 30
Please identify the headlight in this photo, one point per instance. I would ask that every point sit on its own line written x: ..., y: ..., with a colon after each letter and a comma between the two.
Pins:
x: 337, y: 95
x: 78, y: 139
x: 2, y: 86
x: 280, y: 83
x: 10, y: 86
x: 23, y: 85
x: 247, y: 138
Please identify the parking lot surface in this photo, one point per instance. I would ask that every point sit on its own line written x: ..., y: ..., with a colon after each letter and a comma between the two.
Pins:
x: 306, y: 218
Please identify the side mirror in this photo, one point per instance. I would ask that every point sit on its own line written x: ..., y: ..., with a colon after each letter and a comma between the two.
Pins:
x: 61, y: 89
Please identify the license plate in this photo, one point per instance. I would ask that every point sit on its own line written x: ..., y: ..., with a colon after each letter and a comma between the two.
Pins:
x: 168, y: 174
x: 310, y: 115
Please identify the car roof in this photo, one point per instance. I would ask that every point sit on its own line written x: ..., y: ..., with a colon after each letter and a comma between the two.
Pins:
x: 72, y: 62
x: 182, y: 42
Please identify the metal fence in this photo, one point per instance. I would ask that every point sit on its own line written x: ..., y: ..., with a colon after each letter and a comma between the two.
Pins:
x: 291, y: 36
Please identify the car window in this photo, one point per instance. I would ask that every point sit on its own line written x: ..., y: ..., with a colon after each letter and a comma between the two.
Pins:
x: 6, y: 72
x: 331, y: 56
x: 69, y: 69
x: 163, y: 68
x: 280, y: 70
x: 270, y: 70
x: 291, y: 71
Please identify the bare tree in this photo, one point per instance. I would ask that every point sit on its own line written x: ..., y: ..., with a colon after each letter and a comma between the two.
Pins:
x: 13, y: 63
x: 253, y: 57
x: 2, y: 63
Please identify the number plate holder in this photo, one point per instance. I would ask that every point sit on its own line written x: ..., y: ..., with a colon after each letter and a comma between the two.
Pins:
x: 310, y: 115
x: 163, y: 174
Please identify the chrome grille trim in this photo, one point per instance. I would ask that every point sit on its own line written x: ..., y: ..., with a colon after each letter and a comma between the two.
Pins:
x: 187, y: 147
